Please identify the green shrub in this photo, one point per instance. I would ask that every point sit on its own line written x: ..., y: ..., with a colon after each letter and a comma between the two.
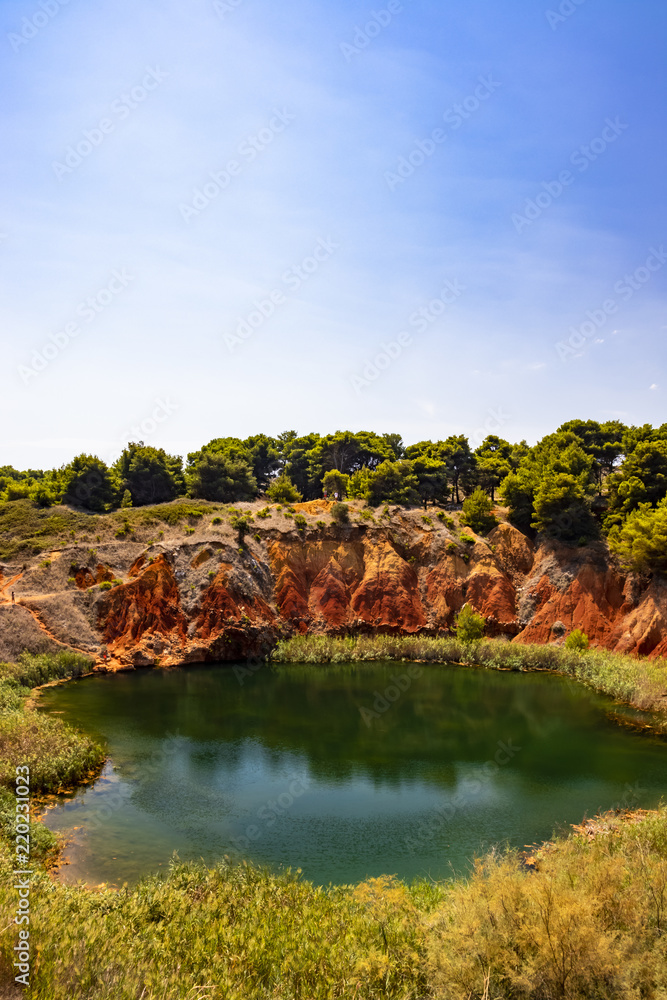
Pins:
x: 189, y: 531
x: 172, y: 513
x: 11, y: 695
x: 641, y: 541
x: 106, y: 585
x: 264, y: 512
x: 451, y: 547
x: 33, y: 669
x: 56, y: 755
x: 300, y: 522
x: 216, y: 520
x: 321, y: 524
x: 577, y: 640
x: 469, y: 625
x: 44, y: 844
x: 334, y: 482
x: 426, y: 519
x: 242, y: 525
x: 468, y: 539
x: 340, y: 513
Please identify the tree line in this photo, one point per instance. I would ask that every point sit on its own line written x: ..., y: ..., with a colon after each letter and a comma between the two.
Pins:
x: 584, y: 481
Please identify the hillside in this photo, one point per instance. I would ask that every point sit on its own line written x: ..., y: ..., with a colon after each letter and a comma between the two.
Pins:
x: 196, y: 582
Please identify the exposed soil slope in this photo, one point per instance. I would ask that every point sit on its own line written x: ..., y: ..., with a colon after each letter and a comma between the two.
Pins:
x: 200, y: 593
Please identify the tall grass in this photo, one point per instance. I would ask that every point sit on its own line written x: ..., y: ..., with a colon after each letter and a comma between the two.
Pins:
x: 58, y: 756
x: 34, y: 669
x: 44, y: 845
x: 590, y: 922
x: 638, y: 682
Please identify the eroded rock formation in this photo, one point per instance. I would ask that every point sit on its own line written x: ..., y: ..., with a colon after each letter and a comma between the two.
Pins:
x: 213, y: 597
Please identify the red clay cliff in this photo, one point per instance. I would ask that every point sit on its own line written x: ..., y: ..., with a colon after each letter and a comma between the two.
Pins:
x: 214, y: 596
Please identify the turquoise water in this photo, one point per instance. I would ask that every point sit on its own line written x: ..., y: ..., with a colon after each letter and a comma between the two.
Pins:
x: 342, y: 771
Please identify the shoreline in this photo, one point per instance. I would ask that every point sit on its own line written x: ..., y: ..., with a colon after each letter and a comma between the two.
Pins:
x: 656, y: 728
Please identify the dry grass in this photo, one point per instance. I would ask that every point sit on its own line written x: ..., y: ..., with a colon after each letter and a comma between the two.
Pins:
x: 588, y: 924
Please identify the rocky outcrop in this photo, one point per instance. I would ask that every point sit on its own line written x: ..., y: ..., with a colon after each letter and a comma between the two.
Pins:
x: 217, y: 597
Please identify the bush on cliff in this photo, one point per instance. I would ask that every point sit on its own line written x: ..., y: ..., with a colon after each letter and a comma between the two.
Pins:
x: 340, y: 513
x: 562, y: 510
x: 334, y: 482
x: 393, y: 482
x: 88, y: 482
x: 150, y: 474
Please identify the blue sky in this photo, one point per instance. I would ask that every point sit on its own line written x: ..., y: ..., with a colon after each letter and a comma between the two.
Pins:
x: 500, y: 167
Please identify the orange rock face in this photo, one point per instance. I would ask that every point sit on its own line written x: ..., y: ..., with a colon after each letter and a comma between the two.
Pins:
x: 149, y: 604
x: 213, y: 600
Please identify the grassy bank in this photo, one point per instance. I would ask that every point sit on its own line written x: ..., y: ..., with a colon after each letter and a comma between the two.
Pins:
x: 635, y: 681
x: 58, y: 756
x: 588, y: 923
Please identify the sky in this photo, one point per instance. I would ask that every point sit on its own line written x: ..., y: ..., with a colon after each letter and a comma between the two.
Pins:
x: 228, y: 217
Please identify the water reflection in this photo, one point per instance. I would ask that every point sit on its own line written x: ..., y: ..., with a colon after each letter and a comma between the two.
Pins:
x: 296, y: 767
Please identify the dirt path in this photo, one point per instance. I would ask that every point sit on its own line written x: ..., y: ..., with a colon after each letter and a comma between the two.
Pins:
x: 4, y: 599
x: 3, y: 587
x: 38, y: 621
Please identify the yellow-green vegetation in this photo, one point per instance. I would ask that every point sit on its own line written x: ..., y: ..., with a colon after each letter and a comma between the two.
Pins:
x: 469, y: 625
x: 57, y: 756
x: 641, y: 542
x: 26, y: 528
x: 577, y: 640
x: 633, y: 680
x: 587, y: 921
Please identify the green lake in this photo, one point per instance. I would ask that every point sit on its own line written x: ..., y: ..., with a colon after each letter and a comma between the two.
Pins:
x: 342, y: 771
